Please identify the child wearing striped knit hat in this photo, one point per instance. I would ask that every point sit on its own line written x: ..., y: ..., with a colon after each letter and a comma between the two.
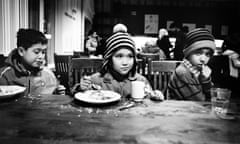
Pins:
x: 118, y: 68
x: 191, y: 79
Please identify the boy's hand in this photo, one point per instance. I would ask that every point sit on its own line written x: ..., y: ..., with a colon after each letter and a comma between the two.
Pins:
x: 205, y: 73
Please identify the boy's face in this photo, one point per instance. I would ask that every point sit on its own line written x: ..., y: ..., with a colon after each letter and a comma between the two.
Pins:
x: 200, y: 57
x: 34, y: 55
x: 123, y: 60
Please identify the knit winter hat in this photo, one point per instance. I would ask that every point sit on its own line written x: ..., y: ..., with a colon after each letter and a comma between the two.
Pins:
x: 197, y: 39
x: 115, y: 42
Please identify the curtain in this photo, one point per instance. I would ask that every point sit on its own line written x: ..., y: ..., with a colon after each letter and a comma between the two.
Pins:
x: 13, y: 15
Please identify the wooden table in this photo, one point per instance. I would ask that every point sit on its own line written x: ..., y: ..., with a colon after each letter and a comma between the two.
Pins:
x: 59, y: 120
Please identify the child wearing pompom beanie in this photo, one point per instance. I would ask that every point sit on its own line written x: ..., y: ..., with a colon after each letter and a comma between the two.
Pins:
x: 118, y: 68
x: 191, y: 79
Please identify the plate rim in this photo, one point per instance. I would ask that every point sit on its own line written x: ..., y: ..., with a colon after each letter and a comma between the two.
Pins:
x: 21, y: 89
x: 116, y: 98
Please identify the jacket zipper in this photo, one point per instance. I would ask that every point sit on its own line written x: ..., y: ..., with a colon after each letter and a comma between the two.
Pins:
x: 29, y: 82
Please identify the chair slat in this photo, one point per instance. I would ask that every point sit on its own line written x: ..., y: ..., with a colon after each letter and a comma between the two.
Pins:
x: 62, y: 68
x: 83, y: 66
x: 160, y: 73
x: 146, y: 59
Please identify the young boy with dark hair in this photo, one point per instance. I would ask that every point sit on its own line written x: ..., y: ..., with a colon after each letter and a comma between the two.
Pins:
x: 25, y: 64
x: 191, y: 79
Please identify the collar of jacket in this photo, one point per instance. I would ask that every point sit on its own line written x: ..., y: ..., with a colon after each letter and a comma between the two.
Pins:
x: 193, y: 69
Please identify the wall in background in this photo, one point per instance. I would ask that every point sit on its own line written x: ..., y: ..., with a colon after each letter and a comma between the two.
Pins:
x: 200, y: 12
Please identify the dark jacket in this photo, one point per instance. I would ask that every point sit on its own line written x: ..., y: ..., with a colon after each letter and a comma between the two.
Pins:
x: 165, y: 45
x: 36, y: 80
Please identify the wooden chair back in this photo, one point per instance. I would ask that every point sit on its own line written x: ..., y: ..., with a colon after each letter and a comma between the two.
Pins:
x: 62, y: 63
x: 62, y: 68
x: 83, y: 66
x: 161, y: 72
x: 140, y: 66
x: 146, y: 59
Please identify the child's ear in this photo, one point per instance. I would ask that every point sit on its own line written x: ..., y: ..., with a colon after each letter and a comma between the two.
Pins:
x: 21, y: 51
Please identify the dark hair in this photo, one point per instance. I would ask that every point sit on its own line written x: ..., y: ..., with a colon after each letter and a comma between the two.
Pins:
x: 231, y: 42
x: 27, y: 37
x: 91, y: 31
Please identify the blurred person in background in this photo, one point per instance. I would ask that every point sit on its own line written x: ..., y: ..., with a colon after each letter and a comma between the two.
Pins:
x: 152, y: 48
x: 92, y: 43
x: 163, y: 42
x: 176, y: 31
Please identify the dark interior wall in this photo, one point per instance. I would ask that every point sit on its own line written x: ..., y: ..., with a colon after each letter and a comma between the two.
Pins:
x: 133, y: 16
x: 216, y: 14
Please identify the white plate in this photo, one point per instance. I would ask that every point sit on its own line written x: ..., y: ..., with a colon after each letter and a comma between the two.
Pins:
x: 97, y: 96
x: 7, y: 91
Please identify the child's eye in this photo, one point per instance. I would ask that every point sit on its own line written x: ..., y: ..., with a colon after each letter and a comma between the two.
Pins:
x: 208, y: 54
x: 130, y: 56
x: 44, y: 51
x: 37, y: 51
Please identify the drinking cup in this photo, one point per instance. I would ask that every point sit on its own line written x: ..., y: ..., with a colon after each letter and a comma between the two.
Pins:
x: 138, y: 90
x: 220, y: 98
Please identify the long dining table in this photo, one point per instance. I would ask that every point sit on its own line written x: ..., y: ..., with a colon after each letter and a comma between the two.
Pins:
x: 60, y: 119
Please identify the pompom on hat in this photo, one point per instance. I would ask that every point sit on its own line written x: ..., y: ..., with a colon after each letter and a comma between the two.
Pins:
x: 197, y: 39
x: 115, y: 42
x: 119, y: 28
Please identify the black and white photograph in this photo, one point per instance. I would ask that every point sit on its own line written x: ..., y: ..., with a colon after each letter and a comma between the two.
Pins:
x: 119, y: 72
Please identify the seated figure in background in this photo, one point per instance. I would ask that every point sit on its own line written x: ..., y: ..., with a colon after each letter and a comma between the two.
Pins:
x: 92, y: 43
x: 163, y: 42
x: 192, y: 79
x: 25, y: 65
x: 180, y: 35
x: 151, y: 47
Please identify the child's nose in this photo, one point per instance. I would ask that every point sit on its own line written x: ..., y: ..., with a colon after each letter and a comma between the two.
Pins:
x: 203, y: 58
x: 125, y: 61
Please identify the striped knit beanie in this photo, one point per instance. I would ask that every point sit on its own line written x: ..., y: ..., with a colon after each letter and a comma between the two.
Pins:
x: 115, y: 42
x: 197, y: 39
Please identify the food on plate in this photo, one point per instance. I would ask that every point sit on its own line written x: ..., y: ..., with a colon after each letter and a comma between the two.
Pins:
x: 99, y: 95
